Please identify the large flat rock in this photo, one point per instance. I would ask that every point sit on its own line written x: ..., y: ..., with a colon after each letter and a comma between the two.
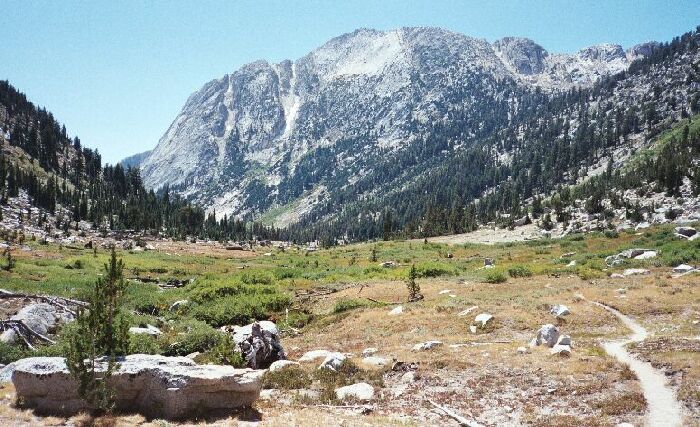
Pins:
x: 155, y: 386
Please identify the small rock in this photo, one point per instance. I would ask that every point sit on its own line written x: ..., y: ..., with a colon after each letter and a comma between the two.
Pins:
x: 635, y: 272
x: 488, y: 262
x: 621, y: 291
x: 396, y: 311
x: 281, y: 364
x: 359, y: 391
x: 564, y: 340
x: 376, y: 361
x: 561, y: 350
x: 148, y: 330
x: 178, y: 304
x: 428, y: 345
x: 683, y: 268
x: 483, y: 319
x: 646, y: 255
x: 571, y: 264
x: 445, y: 291
x: 472, y: 329
x: 467, y: 311
x: 333, y: 361
x: 312, y: 355
x: 522, y: 350
x: 369, y: 351
x: 560, y: 310
x: 409, y: 377
x: 617, y: 276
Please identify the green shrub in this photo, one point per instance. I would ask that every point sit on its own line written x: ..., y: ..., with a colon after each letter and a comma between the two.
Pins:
x: 519, y: 271
x: 241, y: 309
x: 495, y: 277
x: 257, y: 278
x: 193, y: 335
x: 224, y: 353
x: 144, y: 344
x: 11, y: 352
x: 432, y: 270
x: 289, y: 378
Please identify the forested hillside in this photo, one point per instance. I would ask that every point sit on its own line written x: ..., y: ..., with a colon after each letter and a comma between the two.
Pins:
x: 38, y: 157
x: 454, y: 179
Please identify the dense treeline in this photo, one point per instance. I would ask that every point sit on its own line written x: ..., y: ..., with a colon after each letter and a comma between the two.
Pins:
x: 64, y: 172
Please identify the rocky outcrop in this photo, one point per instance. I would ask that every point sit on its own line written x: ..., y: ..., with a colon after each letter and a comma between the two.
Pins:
x: 155, y: 386
x: 259, y: 343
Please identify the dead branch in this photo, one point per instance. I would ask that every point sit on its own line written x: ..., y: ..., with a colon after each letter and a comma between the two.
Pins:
x: 24, y: 332
x: 455, y: 416
x: 385, y: 302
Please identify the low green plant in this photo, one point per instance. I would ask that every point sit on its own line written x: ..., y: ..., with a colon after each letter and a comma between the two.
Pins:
x: 288, y: 378
x: 495, y: 276
x: 519, y: 271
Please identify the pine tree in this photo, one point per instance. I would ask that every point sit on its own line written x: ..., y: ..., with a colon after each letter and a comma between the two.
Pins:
x: 101, y: 336
x: 413, y: 287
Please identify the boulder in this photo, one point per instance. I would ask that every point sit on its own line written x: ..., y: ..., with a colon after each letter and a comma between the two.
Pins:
x: 259, y: 343
x: 147, y: 330
x: 333, y: 361
x: 686, y: 232
x: 155, y: 386
x: 560, y: 310
x: 281, y: 364
x: 359, y: 391
x: 312, y: 355
x: 547, y: 335
x: 42, y: 318
x: 428, y: 345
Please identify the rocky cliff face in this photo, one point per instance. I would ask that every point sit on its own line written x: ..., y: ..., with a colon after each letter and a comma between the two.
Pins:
x: 277, y: 135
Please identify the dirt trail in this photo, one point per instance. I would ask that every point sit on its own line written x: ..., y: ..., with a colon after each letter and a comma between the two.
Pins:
x: 664, y: 409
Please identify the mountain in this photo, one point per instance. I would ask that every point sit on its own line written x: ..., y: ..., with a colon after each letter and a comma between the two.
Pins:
x: 365, y: 123
x: 135, y: 160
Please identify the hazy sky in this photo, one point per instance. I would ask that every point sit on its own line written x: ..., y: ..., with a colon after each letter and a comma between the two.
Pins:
x: 117, y: 72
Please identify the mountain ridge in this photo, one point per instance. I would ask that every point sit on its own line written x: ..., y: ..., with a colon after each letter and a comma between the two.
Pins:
x: 273, y: 136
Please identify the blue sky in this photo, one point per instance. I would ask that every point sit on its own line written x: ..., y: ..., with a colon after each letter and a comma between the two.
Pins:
x: 117, y: 72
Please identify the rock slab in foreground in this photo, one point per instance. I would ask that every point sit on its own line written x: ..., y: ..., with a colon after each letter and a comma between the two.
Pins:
x: 155, y: 386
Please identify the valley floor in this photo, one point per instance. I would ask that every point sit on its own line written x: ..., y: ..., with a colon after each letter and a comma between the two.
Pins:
x: 491, y: 377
